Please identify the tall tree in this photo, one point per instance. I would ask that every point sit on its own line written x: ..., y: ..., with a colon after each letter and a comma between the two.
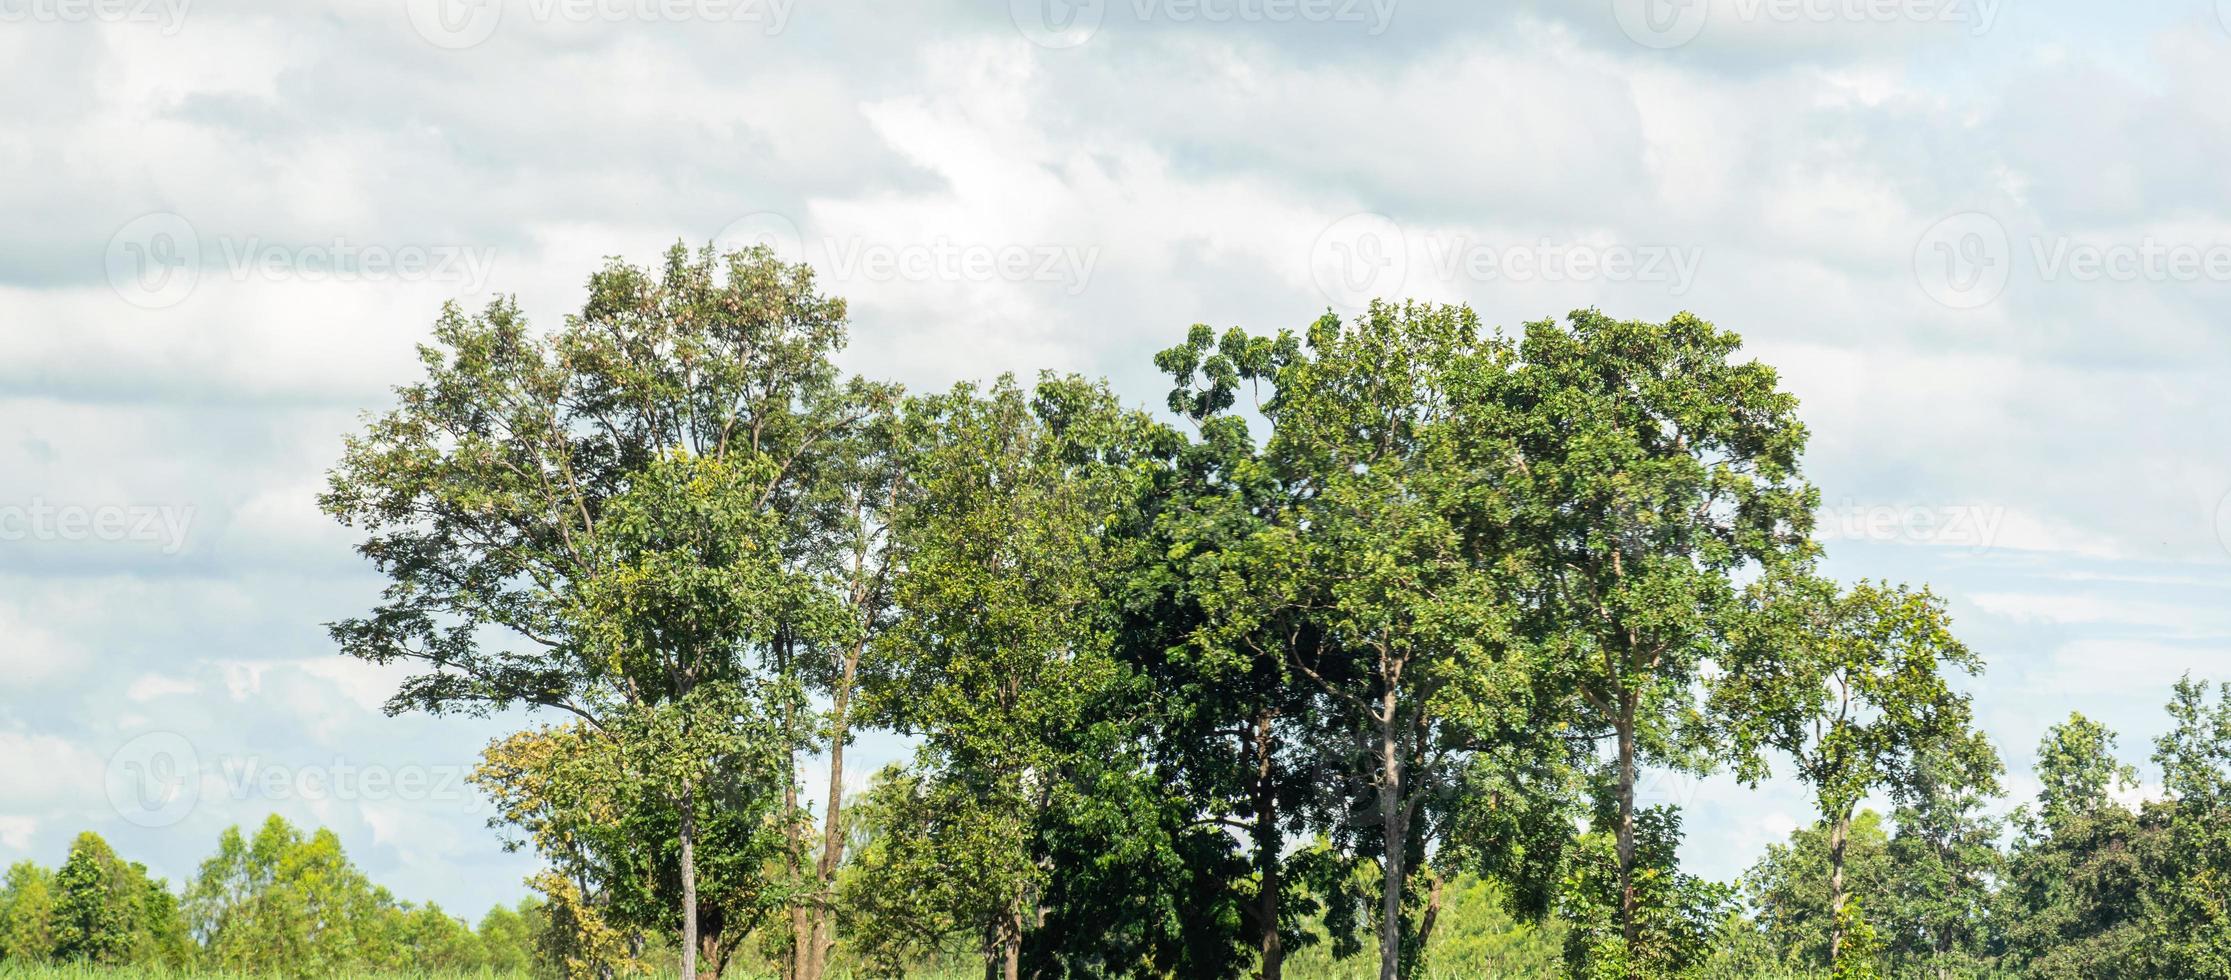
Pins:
x: 1788, y: 888
x: 1388, y: 566
x: 1653, y: 469
x: 1944, y: 858
x: 1853, y: 687
x: 863, y: 486
x: 1202, y: 616
x: 2078, y: 774
x: 2074, y: 886
x: 997, y: 657
x: 484, y: 495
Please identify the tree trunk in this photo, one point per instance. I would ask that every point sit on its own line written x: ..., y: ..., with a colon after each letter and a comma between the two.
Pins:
x: 689, y: 882
x: 793, y: 966
x: 801, y: 930
x: 1628, y: 927
x: 821, y: 935
x: 1394, y: 836
x: 1011, y: 945
x: 1839, y: 830
x: 712, y: 957
x: 1432, y: 910
x: 1268, y: 859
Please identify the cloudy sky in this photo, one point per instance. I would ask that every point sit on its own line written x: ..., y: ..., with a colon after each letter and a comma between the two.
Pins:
x: 1987, y: 242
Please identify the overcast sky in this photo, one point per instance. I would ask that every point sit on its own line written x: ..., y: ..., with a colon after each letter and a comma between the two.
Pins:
x: 1986, y: 241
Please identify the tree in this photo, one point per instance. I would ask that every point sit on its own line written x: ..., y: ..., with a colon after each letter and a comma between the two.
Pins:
x: 288, y: 902
x: 1391, y: 556
x: 1200, y: 616
x: 996, y: 659
x: 2075, y: 885
x: 486, y: 496
x: 110, y: 912
x: 865, y: 483
x: 1669, y: 930
x: 609, y: 827
x: 1788, y: 889
x: 2195, y: 754
x: 508, y: 937
x: 93, y: 915
x: 27, y: 913
x: 1944, y: 859
x: 1852, y: 686
x: 1651, y: 470
x: 2078, y: 773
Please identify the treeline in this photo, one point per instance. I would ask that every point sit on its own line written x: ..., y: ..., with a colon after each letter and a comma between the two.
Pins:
x: 2087, y: 884
x: 1370, y: 609
x: 280, y: 903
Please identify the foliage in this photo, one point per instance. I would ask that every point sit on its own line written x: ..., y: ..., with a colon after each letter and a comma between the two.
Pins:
x: 108, y: 911
x: 281, y: 903
x: 1655, y: 469
x: 1854, y: 687
x: 1668, y: 929
x: 27, y: 913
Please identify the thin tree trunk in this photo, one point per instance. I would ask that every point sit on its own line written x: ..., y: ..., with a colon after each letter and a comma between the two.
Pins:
x: 794, y: 965
x: 1629, y: 927
x: 1839, y: 830
x: 1432, y: 910
x: 689, y: 882
x: 801, y: 930
x: 821, y: 936
x: 1395, y: 836
x: 1268, y: 859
